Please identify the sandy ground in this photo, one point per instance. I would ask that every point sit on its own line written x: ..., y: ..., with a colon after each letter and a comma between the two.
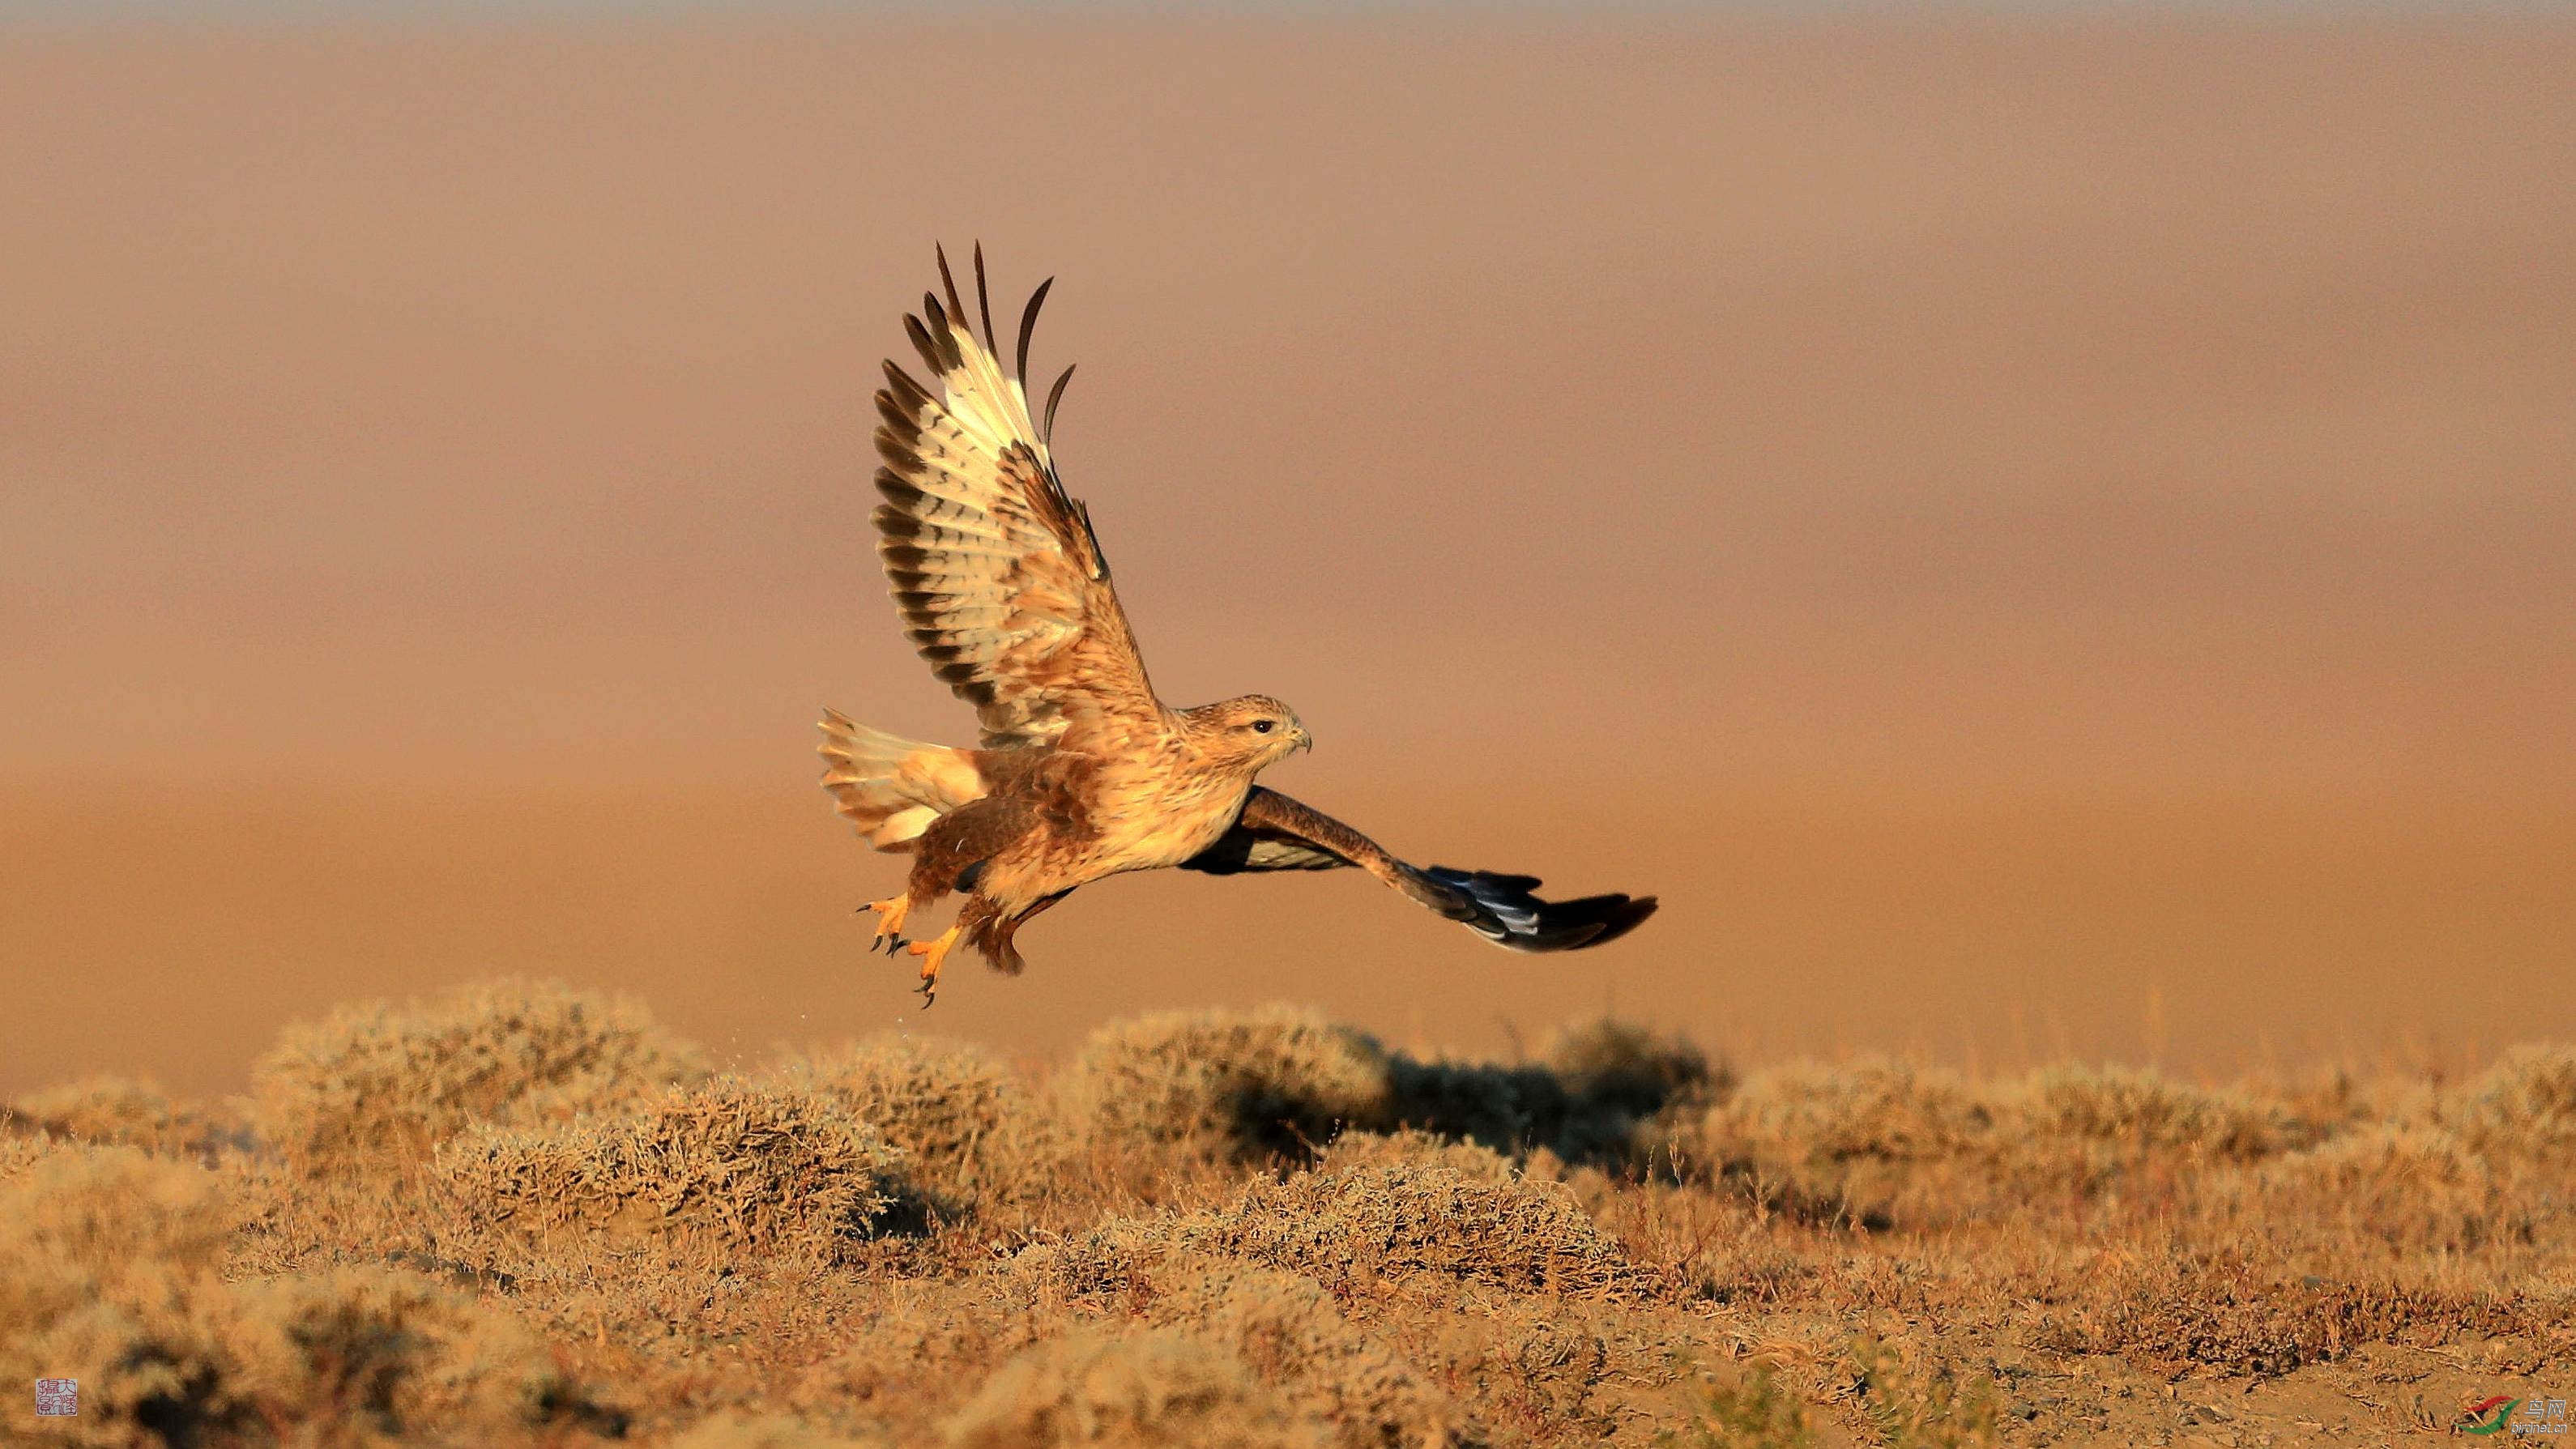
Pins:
x: 2035, y: 537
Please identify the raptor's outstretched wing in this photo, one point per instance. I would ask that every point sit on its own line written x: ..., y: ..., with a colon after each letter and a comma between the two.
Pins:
x: 1277, y: 833
x: 1000, y: 579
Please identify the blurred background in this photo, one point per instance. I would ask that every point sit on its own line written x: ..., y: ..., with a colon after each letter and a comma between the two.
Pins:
x: 2037, y: 530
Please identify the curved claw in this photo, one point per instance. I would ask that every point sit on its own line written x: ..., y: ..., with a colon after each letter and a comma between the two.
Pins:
x: 890, y: 915
x: 933, y: 954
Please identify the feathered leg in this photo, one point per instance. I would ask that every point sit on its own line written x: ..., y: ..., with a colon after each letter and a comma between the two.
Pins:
x: 993, y: 934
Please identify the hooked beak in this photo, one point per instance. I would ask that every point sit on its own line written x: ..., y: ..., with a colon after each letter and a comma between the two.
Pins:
x: 1305, y: 741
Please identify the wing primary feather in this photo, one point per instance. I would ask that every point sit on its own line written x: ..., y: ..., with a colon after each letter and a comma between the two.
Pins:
x: 948, y: 284
x: 913, y: 394
x: 1055, y: 394
x: 942, y: 332
x: 984, y: 301
x: 1099, y: 556
x: 1274, y: 832
x: 921, y: 342
x: 996, y: 571
x: 1029, y: 324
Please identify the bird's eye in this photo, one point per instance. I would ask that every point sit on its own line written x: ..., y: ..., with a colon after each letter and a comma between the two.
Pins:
x: 1261, y: 726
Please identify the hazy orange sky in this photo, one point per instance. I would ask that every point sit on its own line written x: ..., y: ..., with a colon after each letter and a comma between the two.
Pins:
x: 2033, y: 535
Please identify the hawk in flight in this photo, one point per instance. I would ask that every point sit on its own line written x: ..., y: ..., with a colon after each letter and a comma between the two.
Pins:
x: 1082, y: 772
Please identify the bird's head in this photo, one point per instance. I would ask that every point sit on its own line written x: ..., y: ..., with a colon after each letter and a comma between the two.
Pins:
x: 1249, y: 732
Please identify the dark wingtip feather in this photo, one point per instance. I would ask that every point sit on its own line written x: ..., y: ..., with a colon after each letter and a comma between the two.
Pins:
x: 948, y: 283
x: 1029, y: 325
x: 891, y: 449
x: 1055, y: 394
x: 943, y: 331
x: 905, y: 385
x: 1502, y: 910
x: 1618, y: 916
x: 921, y: 343
x: 984, y: 301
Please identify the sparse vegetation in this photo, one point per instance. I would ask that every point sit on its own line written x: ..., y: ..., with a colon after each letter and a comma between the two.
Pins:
x: 714, y: 1172
x: 381, y: 1082
x: 521, y: 1215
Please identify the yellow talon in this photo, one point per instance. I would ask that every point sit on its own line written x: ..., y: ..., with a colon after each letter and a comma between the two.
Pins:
x: 932, y: 954
x: 890, y: 914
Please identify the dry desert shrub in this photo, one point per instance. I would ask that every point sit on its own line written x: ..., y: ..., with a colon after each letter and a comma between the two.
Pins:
x: 1751, y: 1410
x: 1286, y: 1329
x: 1276, y: 1082
x: 117, y: 1279
x: 2144, y: 1111
x: 2524, y: 1105
x: 767, y: 1431
x: 379, y: 1082
x: 1874, y: 1108
x: 1882, y: 1142
x: 111, y: 1111
x: 1919, y: 1405
x: 1409, y: 1148
x: 2220, y: 1308
x: 1391, y: 1221
x: 902, y: 1353
x: 709, y: 1171
x: 1874, y: 1140
x: 22, y: 1149
x: 968, y: 1128
x: 1152, y: 1390
x: 1620, y: 1064
x: 396, y: 1354
x: 2095, y: 1131
x: 2415, y: 1189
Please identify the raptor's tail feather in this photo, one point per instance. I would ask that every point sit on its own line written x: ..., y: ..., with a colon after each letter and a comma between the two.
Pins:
x: 891, y: 787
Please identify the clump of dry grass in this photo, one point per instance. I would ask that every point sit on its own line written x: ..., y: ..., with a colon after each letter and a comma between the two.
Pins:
x: 112, y: 1111
x: 1289, y: 1334
x: 378, y: 1082
x: 2194, y: 1307
x: 1158, y: 1389
x: 1873, y: 1109
x: 2145, y: 1111
x: 1867, y: 1141
x: 1880, y: 1142
x: 970, y: 1131
x: 1624, y: 1065
x: 737, y: 1430
x: 2524, y: 1104
x: 1277, y: 1082
x: 19, y: 1150
x: 117, y: 1279
x: 1364, y: 1223
x: 1748, y: 1410
x: 1409, y: 1148
x: 2412, y: 1189
x: 709, y: 1172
